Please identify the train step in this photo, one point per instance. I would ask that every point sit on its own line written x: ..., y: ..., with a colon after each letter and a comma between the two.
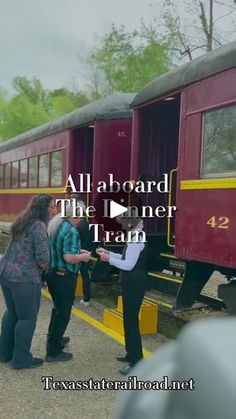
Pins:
x: 164, y: 282
x: 175, y: 264
x: 148, y: 317
x: 5, y: 227
x: 161, y: 302
x: 165, y: 277
x: 168, y: 255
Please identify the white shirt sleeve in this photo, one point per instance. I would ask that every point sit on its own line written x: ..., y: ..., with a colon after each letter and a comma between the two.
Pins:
x: 131, y: 257
x: 115, y: 255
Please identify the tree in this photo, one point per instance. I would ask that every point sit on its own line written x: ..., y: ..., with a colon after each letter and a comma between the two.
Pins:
x: 194, y: 25
x: 32, y: 105
x: 32, y: 90
x: 20, y: 115
x: 128, y: 61
x: 3, y: 105
x: 63, y: 101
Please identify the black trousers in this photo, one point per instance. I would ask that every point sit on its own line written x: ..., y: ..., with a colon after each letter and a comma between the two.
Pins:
x: 62, y: 291
x: 84, y: 267
x: 132, y: 294
x: 19, y: 321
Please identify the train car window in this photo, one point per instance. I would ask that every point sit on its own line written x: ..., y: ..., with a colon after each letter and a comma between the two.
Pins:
x: 7, y: 178
x: 1, y: 176
x: 23, y: 173
x: 15, y: 174
x: 56, y: 168
x: 32, y: 172
x: 44, y: 170
x: 219, y: 143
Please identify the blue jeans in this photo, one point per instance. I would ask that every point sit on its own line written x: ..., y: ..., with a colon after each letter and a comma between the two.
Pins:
x: 19, y: 321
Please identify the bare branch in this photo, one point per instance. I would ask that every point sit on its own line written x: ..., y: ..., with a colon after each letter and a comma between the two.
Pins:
x: 207, y: 28
x: 195, y: 47
x: 210, y: 24
x: 221, y: 17
x: 224, y: 41
x: 203, y: 19
x: 217, y: 41
x: 221, y: 3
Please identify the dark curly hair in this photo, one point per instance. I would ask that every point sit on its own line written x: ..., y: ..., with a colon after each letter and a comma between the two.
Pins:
x: 37, y: 210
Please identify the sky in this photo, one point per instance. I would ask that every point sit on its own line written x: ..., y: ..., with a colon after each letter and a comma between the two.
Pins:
x: 44, y: 38
x: 49, y: 39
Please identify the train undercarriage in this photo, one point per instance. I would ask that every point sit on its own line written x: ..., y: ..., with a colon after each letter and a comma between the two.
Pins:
x: 183, y: 279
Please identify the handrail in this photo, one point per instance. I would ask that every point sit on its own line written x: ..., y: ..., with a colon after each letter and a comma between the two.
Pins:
x: 88, y: 200
x: 169, y: 204
x: 133, y: 181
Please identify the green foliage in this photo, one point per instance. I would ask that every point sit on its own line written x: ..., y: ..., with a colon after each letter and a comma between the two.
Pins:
x: 31, y: 89
x: 3, y: 105
x: 21, y: 115
x: 124, y: 62
x: 130, y: 60
x: 63, y: 101
x: 32, y: 105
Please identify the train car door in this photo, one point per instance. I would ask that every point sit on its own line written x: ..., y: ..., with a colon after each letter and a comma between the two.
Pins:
x: 158, y: 154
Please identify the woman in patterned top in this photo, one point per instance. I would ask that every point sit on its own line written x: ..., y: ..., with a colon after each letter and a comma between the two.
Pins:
x: 21, y: 268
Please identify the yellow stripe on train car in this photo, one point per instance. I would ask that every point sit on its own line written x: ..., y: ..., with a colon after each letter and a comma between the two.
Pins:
x: 208, y: 184
x: 32, y: 191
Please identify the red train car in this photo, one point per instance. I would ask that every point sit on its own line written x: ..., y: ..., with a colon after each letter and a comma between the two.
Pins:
x: 184, y: 125
x: 94, y: 139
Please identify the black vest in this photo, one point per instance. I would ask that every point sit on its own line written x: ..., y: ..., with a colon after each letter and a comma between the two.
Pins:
x: 139, y: 271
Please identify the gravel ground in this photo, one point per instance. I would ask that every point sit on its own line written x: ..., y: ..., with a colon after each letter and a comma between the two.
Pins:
x: 150, y: 342
x: 211, y: 287
x: 22, y: 392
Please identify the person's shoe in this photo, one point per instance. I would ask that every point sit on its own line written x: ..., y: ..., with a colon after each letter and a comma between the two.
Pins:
x: 65, y: 340
x: 61, y: 357
x: 126, y: 370
x: 124, y: 358
x: 37, y: 362
x: 84, y: 303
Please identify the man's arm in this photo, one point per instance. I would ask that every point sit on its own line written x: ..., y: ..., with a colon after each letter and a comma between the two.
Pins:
x: 73, y: 259
x: 71, y: 249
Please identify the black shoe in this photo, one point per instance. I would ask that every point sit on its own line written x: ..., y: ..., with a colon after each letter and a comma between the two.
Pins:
x: 126, y: 370
x: 61, y: 357
x: 37, y: 362
x: 65, y: 340
x: 124, y: 358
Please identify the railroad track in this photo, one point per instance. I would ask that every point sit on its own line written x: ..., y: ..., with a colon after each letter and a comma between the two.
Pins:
x: 169, y: 284
x: 212, y: 302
